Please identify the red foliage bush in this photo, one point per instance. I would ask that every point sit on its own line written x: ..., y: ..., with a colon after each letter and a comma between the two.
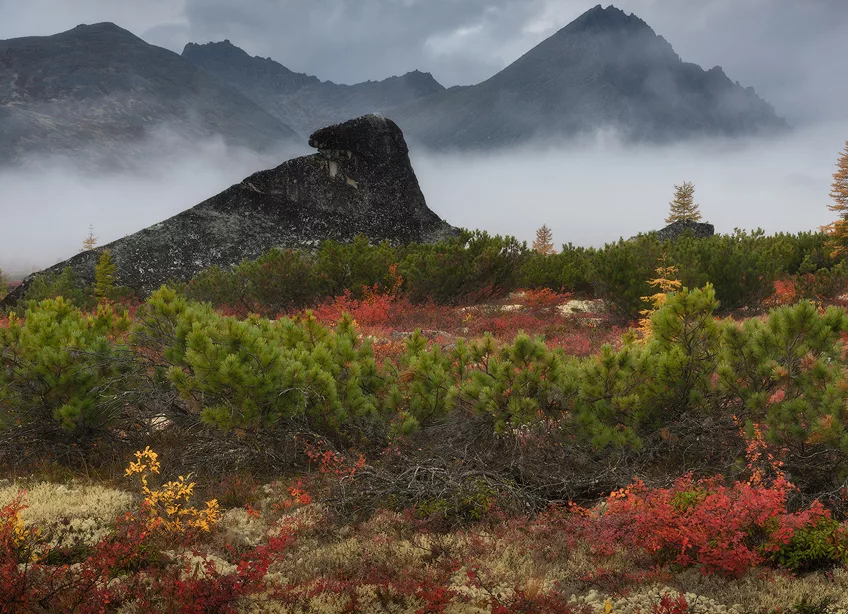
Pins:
x: 126, y: 567
x: 721, y: 529
x: 545, y: 298
x: 667, y: 605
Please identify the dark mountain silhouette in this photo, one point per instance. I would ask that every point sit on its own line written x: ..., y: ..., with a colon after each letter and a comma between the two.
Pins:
x: 101, y: 89
x: 303, y: 101
x: 606, y: 69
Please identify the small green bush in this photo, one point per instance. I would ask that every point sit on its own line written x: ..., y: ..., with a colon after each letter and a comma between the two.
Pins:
x: 54, y: 285
x: 471, y: 267
x: 355, y: 265
x: 63, y: 368
x: 822, y: 546
x: 620, y: 273
x: 567, y: 271
x: 255, y: 373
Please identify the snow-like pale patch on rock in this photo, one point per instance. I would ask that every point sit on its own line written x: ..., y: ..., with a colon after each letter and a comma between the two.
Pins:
x: 578, y: 306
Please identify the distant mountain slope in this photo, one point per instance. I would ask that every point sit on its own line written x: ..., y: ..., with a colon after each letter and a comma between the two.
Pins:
x: 101, y: 88
x: 606, y: 69
x: 303, y: 101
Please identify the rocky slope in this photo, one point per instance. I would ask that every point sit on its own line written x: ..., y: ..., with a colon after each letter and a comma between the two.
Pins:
x: 101, y: 90
x: 303, y: 101
x: 605, y: 70
x: 360, y: 182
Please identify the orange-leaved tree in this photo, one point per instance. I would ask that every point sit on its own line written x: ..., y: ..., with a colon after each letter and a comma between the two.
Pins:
x: 665, y: 282
x: 90, y: 242
x: 544, y: 243
x: 838, y: 230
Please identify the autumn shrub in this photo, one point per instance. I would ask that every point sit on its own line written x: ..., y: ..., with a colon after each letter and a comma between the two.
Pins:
x: 721, y: 529
x: 544, y: 299
x: 167, y: 507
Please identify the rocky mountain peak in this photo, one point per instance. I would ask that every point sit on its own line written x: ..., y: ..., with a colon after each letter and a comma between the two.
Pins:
x: 370, y: 136
x: 360, y: 182
x: 101, y: 27
x: 599, y: 19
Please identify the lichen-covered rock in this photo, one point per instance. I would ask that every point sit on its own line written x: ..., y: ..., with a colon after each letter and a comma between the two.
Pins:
x: 677, y: 229
x: 360, y: 182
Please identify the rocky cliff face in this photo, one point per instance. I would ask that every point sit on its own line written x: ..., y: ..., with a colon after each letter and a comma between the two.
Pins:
x: 101, y: 89
x: 303, y: 101
x: 360, y: 182
x: 606, y: 70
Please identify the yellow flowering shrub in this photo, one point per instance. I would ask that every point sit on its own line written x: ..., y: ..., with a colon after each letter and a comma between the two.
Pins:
x: 168, y: 505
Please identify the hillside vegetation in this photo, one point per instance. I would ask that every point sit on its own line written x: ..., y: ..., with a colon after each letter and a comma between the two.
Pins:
x: 469, y: 426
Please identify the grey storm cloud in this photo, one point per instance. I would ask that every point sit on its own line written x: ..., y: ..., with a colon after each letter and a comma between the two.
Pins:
x: 784, y: 48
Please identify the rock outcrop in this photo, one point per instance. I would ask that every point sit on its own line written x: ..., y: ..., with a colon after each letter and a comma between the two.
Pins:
x: 679, y: 228
x: 360, y: 182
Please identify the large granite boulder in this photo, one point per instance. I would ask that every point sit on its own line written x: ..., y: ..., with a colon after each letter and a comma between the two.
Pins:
x: 360, y: 182
x: 679, y: 228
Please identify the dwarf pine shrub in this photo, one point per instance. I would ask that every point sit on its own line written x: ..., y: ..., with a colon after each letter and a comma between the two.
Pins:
x: 63, y: 368
x: 253, y: 373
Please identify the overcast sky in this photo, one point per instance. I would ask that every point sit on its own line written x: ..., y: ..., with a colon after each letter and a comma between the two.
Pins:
x: 781, y: 47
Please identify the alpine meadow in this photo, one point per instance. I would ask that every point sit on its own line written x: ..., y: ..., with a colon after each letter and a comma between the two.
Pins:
x: 465, y: 306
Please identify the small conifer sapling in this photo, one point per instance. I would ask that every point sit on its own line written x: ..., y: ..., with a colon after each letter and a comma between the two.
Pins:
x: 90, y: 242
x: 665, y: 282
x: 104, y: 277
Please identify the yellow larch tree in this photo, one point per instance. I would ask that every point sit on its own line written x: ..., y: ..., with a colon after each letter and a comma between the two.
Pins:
x: 838, y: 230
x: 683, y: 206
x: 544, y: 243
x: 665, y: 282
x: 90, y: 242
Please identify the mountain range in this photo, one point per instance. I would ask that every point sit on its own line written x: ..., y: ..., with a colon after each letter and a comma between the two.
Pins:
x: 99, y: 90
x: 302, y: 101
x: 605, y: 70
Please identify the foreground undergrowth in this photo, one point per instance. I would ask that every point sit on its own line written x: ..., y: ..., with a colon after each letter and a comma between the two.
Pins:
x: 343, y: 460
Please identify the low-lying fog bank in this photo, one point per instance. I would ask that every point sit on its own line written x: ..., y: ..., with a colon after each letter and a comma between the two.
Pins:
x: 601, y: 191
x: 588, y: 193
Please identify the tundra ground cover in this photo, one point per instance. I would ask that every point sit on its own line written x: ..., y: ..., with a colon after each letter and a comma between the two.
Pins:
x: 377, y: 453
x: 286, y: 552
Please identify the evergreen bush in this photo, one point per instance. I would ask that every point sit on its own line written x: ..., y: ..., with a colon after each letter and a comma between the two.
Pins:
x: 64, y: 373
